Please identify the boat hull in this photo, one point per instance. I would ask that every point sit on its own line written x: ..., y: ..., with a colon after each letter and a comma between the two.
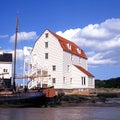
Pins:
x: 23, y: 100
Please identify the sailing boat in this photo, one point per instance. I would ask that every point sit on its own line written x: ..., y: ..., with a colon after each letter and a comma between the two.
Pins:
x: 21, y: 99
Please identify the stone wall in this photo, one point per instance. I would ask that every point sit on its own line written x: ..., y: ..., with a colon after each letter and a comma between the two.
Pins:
x: 84, y: 91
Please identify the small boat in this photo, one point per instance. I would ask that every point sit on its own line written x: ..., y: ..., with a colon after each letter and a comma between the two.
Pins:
x: 33, y: 98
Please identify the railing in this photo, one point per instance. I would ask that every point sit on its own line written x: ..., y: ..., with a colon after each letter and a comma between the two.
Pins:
x: 37, y: 81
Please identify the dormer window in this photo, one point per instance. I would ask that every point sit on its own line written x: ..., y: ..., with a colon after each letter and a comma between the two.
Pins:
x: 46, y: 35
x: 78, y: 50
x: 68, y: 46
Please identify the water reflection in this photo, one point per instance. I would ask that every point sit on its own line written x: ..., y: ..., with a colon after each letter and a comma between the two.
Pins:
x: 62, y: 113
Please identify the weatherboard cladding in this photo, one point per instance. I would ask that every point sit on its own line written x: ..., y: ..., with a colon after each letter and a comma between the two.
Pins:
x: 64, y: 54
x: 72, y: 49
x: 6, y: 57
x: 84, y: 71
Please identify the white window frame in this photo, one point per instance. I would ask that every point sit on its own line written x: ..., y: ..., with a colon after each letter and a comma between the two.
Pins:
x: 71, y: 80
x: 78, y: 50
x: 53, y: 80
x: 69, y: 46
x: 64, y: 80
x: 46, y: 55
x: 54, y: 67
x: 68, y: 68
x: 46, y: 44
x: 46, y: 35
x: 83, y: 80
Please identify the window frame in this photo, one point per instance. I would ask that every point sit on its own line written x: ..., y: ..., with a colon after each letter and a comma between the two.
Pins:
x: 46, y: 55
x: 64, y: 80
x: 83, y: 80
x: 5, y: 70
x: 46, y: 44
x: 46, y: 35
x: 53, y: 80
x: 54, y: 68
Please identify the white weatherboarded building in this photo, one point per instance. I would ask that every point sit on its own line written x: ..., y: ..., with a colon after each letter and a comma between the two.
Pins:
x: 65, y: 62
x: 5, y: 69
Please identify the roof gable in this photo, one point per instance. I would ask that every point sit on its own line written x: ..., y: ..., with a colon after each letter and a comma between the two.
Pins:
x: 84, y: 71
x: 69, y: 46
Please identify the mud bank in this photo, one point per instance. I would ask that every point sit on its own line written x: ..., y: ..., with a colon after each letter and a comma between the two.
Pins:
x: 102, y: 99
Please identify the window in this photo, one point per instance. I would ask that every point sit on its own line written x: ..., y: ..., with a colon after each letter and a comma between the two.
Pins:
x: 46, y: 55
x: 68, y: 68
x: 53, y: 80
x: 5, y: 70
x: 46, y: 35
x: 83, y: 80
x: 69, y: 46
x: 64, y: 80
x: 78, y: 50
x: 46, y: 44
x: 70, y: 80
x: 54, y: 67
x: 90, y: 81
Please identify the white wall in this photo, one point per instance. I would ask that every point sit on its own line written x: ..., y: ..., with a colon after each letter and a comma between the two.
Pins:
x: 77, y: 79
x: 8, y: 67
x: 55, y: 57
x: 69, y: 59
x: 61, y: 59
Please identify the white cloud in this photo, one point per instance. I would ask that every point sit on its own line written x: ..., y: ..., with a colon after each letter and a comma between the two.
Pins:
x: 102, y: 40
x: 27, y: 50
x: 19, y: 54
x: 100, y: 59
x: 3, y: 36
x: 69, y: 33
x: 24, y: 36
x: 112, y: 24
x: 94, y: 31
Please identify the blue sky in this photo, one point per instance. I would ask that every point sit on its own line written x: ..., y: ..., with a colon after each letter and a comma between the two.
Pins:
x: 94, y: 25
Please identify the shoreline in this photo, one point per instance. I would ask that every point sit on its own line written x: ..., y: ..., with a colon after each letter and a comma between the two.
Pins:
x: 89, y: 105
x: 84, y: 105
x: 101, y: 100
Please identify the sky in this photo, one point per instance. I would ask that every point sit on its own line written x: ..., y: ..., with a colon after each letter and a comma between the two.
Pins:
x: 94, y: 25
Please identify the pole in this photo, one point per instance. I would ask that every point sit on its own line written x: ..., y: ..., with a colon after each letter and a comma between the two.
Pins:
x: 15, y: 47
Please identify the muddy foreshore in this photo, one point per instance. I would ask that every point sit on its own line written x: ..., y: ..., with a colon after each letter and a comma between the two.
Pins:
x: 100, y: 100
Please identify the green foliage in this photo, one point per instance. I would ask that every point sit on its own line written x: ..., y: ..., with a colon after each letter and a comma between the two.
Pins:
x: 110, y: 83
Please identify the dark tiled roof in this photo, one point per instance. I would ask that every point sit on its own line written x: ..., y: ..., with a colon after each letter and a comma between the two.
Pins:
x: 6, y: 57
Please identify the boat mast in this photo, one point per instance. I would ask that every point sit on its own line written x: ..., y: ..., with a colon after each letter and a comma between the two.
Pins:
x: 15, y: 47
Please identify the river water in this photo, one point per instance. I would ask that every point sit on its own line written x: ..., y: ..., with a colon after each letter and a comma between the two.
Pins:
x: 61, y: 113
